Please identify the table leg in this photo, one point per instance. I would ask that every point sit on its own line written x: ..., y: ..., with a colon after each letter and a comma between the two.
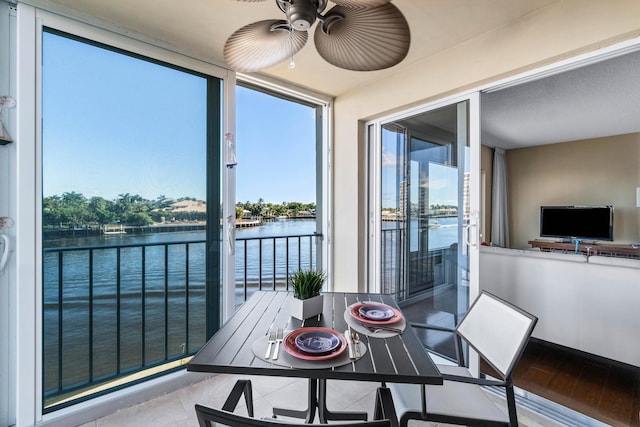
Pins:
x: 307, y: 414
x: 318, y: 399
x: 326, y: 415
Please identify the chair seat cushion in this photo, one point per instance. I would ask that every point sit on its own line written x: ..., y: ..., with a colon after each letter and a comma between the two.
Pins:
x: 452, y: 398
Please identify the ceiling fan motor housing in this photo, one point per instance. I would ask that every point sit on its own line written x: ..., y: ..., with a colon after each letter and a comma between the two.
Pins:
x: 301, y: 14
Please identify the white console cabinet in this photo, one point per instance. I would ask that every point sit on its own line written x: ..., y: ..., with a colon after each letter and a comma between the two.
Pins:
x: 589, y: 304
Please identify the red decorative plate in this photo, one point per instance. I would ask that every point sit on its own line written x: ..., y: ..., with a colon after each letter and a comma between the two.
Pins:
x: 289, y: 344
x: 355, y: 311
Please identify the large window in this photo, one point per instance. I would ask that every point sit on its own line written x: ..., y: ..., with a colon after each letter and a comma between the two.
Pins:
x: 278, y: 185
x: 130, y: 216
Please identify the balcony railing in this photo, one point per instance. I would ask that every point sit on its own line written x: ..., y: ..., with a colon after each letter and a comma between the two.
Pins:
x: 406, y: 273
x: 114, y: 310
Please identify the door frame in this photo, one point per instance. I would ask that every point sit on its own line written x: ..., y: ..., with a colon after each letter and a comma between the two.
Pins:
x: 374, y: 167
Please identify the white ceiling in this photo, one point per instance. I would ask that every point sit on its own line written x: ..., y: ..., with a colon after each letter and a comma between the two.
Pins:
x: 201, y: 27
x: 589, y: 102
x: 597, y: 100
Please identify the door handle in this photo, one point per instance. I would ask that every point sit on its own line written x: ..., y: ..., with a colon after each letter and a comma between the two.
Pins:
x: 475, y: 241
x: 5, y: 251
x: 473, y: 222
x: 466, y: 234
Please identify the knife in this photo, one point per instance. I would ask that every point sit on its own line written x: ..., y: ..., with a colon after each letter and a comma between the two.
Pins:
x: 347, y: 335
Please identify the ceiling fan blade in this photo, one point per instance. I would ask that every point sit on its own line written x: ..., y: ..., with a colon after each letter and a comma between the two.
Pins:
x: 357, y: 3
x: 262, y: 45
x: 363, y: 39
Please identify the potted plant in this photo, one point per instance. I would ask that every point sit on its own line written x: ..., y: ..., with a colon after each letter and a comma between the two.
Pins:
x: 307, y: 300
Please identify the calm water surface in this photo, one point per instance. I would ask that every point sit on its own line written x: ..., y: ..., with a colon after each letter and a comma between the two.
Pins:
x: 151, y: 311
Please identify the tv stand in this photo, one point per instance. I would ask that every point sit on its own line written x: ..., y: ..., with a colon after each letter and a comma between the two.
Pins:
x: 618, y: 251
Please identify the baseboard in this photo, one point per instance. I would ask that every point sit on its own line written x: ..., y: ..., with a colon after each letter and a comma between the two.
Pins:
x: 584, y: 354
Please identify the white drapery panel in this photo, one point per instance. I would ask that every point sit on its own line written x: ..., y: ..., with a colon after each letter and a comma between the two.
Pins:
x: 499, y: 203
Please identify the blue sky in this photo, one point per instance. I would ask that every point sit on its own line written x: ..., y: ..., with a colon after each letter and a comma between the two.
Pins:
x: 276, y: 149
x: 113, y: 124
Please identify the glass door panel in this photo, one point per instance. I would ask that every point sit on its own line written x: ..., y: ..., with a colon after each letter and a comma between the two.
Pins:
x: 393, y: 202
x: 424, y: 180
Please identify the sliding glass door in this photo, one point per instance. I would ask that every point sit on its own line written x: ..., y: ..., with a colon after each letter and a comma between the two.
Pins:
x: 425, y: 231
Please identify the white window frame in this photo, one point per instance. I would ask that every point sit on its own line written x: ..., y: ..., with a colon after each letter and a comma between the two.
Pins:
x: 326, y: 103
x: 30, y: 24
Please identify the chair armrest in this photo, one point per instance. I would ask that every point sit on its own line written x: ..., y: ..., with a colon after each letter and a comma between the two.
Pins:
x: 459, y: 353
x: 432, y: 327
x: 384, y: 408
x: 241, y: 387
x: 474, y: 380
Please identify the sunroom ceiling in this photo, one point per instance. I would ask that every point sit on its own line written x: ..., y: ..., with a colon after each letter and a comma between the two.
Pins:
x: 587, y: 104
x: 201, y: 27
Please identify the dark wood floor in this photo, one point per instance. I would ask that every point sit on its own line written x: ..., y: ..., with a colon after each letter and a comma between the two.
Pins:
x: 599, y: 388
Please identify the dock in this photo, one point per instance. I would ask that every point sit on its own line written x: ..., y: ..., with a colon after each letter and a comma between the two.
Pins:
x: 108, y: 230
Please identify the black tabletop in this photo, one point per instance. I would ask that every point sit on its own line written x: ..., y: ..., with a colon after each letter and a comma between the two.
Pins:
x: 400, y: 358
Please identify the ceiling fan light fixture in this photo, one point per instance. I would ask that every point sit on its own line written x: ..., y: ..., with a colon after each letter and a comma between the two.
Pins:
x: 301, y: 15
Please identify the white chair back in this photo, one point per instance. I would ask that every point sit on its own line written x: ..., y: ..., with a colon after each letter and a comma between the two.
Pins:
x: 497, y: 330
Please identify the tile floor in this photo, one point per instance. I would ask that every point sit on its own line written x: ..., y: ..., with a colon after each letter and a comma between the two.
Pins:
x: 177, y: 408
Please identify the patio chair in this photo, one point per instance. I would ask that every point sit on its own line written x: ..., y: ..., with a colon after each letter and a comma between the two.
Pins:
x: 499, y: 333
x: 384, y: 411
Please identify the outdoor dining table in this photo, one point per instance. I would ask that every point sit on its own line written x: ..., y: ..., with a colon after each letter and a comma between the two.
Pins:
x: 238, y: 348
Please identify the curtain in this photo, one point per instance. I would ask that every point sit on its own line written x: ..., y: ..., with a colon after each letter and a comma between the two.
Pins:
x: 499, y: 203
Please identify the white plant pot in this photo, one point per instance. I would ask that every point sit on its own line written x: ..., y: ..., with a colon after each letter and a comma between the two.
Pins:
x: 305, y: 308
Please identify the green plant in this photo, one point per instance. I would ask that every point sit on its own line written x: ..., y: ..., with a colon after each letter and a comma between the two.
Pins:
x: 307, y: 283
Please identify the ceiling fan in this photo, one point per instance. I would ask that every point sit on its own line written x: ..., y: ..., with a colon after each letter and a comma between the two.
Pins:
x: 357, y: 35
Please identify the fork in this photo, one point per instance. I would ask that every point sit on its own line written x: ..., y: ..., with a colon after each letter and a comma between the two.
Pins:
x: 376, y: 329
x: 272, y: 339
x: 279, y: 337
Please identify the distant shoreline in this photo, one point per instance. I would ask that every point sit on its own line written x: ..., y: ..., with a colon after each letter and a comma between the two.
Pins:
x: 154, y: 228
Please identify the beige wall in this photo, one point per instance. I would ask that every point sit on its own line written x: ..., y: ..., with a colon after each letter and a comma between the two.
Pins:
x: 562, y: 30
x: 602, y: 171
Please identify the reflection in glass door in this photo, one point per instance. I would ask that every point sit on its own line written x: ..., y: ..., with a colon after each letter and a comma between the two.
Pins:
x: 424, y: 191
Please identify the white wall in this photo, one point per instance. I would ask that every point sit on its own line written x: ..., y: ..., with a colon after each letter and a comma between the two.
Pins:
x: 586, y: 304
x: 7, y: 208
x: 562, y: 30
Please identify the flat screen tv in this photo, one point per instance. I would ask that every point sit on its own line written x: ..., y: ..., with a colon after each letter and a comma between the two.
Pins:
x: 577, y: 222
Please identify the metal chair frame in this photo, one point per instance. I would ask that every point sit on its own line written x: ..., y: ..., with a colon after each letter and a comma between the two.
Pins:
x: 384, y: 411
x: 505, y: 381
